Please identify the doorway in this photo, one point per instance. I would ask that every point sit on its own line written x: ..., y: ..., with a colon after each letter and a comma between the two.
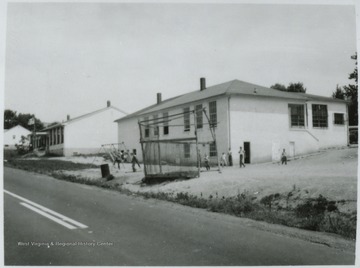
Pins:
x: 247, y: 152
x: 292, y: 149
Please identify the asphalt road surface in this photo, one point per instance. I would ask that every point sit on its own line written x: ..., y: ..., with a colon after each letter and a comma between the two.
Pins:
x: 53, y: 222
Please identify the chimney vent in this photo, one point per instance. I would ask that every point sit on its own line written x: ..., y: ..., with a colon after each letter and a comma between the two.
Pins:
x: 108, y: 103
x: 158, y: 95
x: 202, y: 83
x: 68, y: 117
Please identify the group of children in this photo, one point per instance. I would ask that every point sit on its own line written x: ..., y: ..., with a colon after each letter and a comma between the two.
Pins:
x: 121, y: 157
x: 224, y: 162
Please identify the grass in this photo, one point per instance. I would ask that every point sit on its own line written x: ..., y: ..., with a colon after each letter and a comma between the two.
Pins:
x: 313, y: 214
x: 46, y: 166
x: 317, y: 214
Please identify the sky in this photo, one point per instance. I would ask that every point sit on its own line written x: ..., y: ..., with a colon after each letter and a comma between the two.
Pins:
x: 70, y: 58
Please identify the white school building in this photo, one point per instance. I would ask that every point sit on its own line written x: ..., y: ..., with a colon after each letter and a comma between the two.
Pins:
x: 262, y: 120
x: 83, y: 134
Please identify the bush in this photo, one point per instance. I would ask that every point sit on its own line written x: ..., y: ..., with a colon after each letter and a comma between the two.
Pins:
x: 312, y: 212
x: 342, y: 224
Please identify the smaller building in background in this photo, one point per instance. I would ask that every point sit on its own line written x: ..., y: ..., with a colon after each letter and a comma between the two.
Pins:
x: 84, y: 134
x: 40, y: 140
x: 13, y: 136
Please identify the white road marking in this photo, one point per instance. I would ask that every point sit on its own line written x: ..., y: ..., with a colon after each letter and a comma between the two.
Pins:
x: 49, y: 211
x: 48, y: 216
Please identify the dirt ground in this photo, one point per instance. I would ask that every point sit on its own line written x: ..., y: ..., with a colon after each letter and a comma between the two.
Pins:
x: 331, y: 173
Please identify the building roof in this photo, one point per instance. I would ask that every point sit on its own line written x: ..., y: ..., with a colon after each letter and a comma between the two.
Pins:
x: 15, y: 127
x: 234, y: 87
x: 82, y: 117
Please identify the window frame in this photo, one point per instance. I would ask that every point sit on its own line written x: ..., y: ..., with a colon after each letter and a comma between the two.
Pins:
x: 62, y: 135
x: 187, y: 126
x: 199, y: 116
x: 342, y: 121
x: 156, y: 127
x: 297, y: 119
x: 186, y: 150
x: 166, y: 123
x: 320, y: 116
x: 212, y: 150
x: 213, y: 113
x: 146, y: 128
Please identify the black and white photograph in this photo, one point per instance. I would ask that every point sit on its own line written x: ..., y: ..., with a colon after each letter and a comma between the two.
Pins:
x: 179, y: 133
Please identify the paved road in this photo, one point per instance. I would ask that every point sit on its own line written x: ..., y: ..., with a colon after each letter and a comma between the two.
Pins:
x: 108, y: 228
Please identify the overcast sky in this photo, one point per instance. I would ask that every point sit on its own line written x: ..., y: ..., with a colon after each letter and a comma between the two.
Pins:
x: 70, y: 58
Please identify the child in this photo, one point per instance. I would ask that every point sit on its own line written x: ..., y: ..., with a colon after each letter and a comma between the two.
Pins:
x: 223, y: 160
x: 134, y: 161
x: 283, y: 158
x: 206, y: 160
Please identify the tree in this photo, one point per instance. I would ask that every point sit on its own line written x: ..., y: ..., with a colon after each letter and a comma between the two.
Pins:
x: 12, y: 119
x: 278, y: 86
x: 292, y: 87
x: 351, y: 93
x: 296, y: 87
x: 339, y: 93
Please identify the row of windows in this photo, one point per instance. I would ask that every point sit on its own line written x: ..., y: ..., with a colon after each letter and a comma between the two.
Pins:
x: 187, y: 125
x: 297, y: 117
x: 213, y: 151
x: 56, y: 136
x: 319, y: 116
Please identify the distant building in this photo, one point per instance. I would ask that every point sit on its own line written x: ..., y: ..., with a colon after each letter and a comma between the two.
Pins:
x: 262, y: 120
x: 84, y: 134
x: 13, y: 136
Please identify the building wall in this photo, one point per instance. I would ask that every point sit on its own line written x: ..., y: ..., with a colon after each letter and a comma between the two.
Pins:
x: 86, y: 135
x: 334, y: 135
x: 128, y: 133
x: 13, y: 136
x: 57, y: 149
x: 204, y: 135
x: 265, y: 123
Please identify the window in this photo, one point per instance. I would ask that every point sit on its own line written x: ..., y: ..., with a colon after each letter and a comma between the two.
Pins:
x: 62, y: 135
x: 56, y: 136
x: 14, y: 137
x: 213, y: 151
x: 187, y: 119
x: 320, y: 116
x: 58, y: 132
x: 147, y: 130
x: 187, y: 150
x: 213, y: 113
x: 199, y: 116
x: 166, y: 123
x: 156, y: 127
x: 297, y: 117
x: 338, y: 119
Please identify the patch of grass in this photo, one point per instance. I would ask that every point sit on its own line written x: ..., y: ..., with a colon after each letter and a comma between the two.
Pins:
x: 10, y: 154
x: 46, y: 166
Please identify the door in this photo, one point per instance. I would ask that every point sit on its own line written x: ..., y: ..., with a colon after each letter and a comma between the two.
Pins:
x: 292, y: 149
x: 276, y: 153
x: 247, y: 152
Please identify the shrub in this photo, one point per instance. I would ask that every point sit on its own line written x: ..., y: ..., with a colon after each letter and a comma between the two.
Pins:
x: 312, y: 212
x: 342, y: 224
